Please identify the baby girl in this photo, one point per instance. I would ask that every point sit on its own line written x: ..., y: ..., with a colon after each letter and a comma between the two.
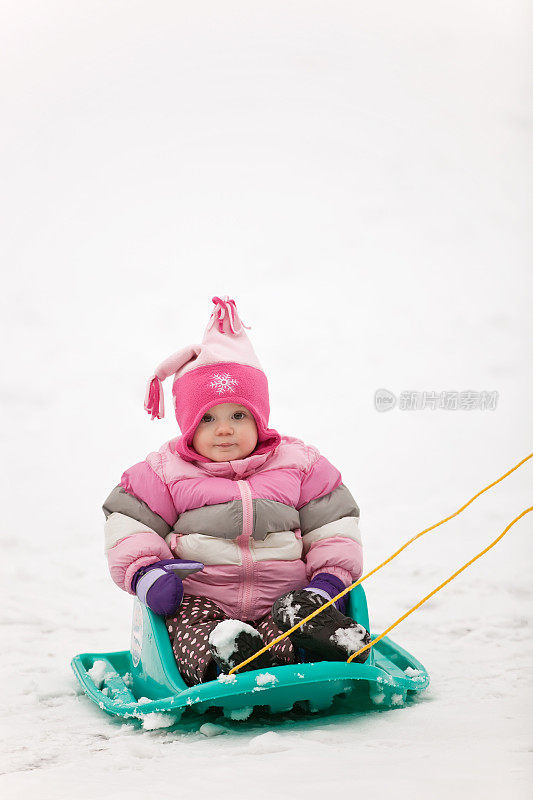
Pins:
x: 232, y: 532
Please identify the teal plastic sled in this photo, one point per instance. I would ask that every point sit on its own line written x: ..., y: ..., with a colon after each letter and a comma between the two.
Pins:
x: 137, y: 682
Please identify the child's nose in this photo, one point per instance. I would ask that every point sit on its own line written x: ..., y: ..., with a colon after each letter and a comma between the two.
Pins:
x: 224, y: 427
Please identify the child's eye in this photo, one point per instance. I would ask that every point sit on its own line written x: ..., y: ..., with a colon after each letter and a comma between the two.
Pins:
x: 238, y: 415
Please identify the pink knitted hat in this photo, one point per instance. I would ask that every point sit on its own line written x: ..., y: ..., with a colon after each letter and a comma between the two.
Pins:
x: 223, y: 369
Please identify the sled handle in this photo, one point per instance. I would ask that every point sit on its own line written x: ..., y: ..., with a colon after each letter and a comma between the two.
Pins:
x: 387, y: 561
x: 455, y: 574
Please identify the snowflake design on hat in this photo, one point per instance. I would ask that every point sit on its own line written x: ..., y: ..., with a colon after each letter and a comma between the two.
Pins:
x: 223, y: 383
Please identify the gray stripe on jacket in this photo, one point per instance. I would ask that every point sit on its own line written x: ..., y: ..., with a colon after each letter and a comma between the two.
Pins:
x: 225, y: 520
x: 271, y: 516
x: 329, y: 508
x: 125, y: 503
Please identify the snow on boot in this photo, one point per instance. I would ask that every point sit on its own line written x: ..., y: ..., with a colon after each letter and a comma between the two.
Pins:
x: 330, y: 636
x: 233, y: 641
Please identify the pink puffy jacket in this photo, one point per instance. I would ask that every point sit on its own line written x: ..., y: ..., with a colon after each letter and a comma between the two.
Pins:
x: 262, y: 525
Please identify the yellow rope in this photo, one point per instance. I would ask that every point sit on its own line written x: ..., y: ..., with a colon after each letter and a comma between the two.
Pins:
x: 455, y: 574
x: 376, y: 569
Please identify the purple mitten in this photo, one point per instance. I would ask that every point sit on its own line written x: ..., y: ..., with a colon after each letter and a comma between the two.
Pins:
x: 328, y: 586
x: 159, y: 586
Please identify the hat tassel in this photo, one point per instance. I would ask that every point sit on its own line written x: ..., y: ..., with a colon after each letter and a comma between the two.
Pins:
x: 154, y: 401
x: 225, y: 307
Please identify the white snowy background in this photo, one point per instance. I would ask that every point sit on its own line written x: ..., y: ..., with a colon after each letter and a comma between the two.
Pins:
x: 358, y: 177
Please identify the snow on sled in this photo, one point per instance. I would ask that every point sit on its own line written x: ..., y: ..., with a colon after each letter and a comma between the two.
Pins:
x: 145, y: 680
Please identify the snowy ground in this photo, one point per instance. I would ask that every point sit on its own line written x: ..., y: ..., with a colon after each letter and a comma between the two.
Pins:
x: 358, y: 179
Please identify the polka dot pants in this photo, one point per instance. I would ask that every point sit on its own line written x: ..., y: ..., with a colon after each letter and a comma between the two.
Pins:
x: 189, y: 631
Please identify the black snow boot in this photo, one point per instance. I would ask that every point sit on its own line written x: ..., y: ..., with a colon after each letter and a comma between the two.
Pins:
x: 330, y: 636
x: 231, y: 642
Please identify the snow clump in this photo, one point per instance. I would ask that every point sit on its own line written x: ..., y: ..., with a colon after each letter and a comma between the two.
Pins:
x: 290, y: 609
x: 223, y: 678
x: 264, y: 678
x: 350, y: 639
x: 412, y: 673
x: 223, y: 637
x: 240, y: 713
x: 209, y: 729
x: 155, y: 720
x: 97, y: 672
x: 397, y: 700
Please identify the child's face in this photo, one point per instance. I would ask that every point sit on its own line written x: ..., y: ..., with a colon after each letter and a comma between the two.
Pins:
x: 226, y: 423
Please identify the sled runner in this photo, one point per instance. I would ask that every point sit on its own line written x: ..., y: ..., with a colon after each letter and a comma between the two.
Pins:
x: 145, y: 679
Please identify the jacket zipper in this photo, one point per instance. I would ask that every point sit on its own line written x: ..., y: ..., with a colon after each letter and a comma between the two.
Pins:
x: 244, y: 544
